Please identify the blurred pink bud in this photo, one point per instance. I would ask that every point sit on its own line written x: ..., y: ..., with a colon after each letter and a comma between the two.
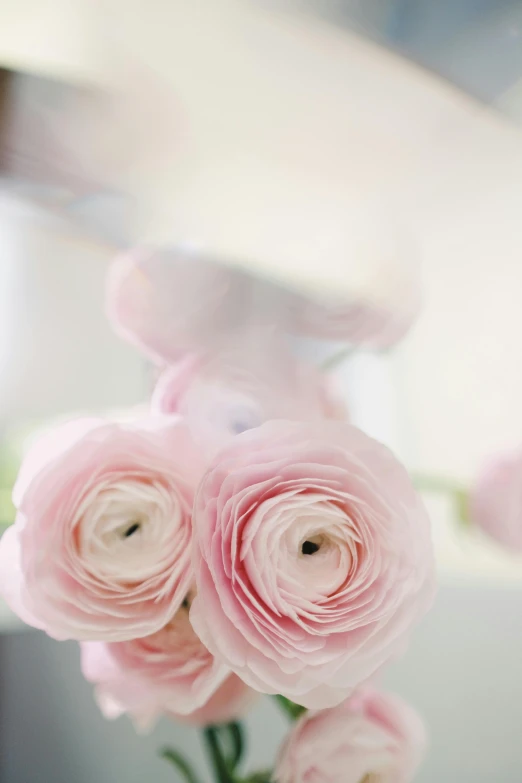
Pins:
x: 496, y: 500
x: 225, y: 394
x: 382, y: 292
x: 360, y: 323
x: 168, y: 673
x: 370, y: 737
x: 171, y: 302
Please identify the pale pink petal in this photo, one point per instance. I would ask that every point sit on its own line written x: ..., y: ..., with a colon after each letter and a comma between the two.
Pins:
x: 169, y: 673
x: 101, y: 545
x: 233, y: 390
x: 496, y: 499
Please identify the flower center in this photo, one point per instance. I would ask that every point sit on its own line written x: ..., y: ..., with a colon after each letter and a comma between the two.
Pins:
x: 311, y: 545
x: 131, y: 530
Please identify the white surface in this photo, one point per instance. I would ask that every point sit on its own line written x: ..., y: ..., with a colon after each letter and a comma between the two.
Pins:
x: 52, y: 37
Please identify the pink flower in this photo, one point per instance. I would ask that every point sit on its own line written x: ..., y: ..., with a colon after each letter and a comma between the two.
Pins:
x: 362, y: 323
x: 370, y: 738
x: 496, y: 500
x: 313, y: 559
x: 169, y: 302
x: 380, y: 310
x: 100, y: 548
x: 230, y: 702
x: 221, y: 397
x: 167, y: 673
x: 174, y: 301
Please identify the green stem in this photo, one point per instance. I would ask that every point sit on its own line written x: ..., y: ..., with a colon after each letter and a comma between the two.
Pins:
x: 235, y: 733
x: 430, y: 483
x: 220, y: 767
x: 336, y: 359
x: 292, y: 710
x: 441, y: 485
x: 183, y: 767
x: 265, y: 776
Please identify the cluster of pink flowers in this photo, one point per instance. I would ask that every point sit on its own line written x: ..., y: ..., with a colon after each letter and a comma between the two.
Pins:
x: 239, y: 537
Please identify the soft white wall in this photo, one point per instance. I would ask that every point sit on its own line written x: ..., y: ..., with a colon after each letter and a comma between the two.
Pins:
x: 57, y: 350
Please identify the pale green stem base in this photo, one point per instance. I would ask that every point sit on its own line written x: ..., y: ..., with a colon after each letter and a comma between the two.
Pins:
x: 440, y: 485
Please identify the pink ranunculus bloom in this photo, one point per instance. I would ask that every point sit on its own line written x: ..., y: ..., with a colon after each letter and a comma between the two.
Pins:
x: 168, y: 673
x: 313, y: 559
x: 370, y: 738
x: 496, y: 500
x: 219, y: 397
x: 101, y: 545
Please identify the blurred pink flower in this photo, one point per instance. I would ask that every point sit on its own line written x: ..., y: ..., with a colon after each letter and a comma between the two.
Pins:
x: 496, y: 500
x: 173, y: 301
x: 380, y: 304
x: 101, y: 545
x: 169, y: 302
x: 313, y: 559
x: 168, y: 673
x: 220, y: 397
x: 370, y: 738
x: 361, y: 323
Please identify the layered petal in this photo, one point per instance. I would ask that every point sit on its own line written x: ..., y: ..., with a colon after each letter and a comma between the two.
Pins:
x: 101, y: 545
x: 371, y: 737
x: 313, y: 559
x: 168, y: 673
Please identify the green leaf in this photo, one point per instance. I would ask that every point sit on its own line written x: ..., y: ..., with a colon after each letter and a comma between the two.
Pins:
x: 263, y: 776
x: 223, y: 774
x: 236, y: 737
x: 183, y: 767
x: 292, y: 710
